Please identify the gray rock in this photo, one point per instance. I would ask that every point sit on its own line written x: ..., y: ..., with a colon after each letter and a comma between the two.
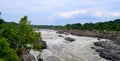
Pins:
x: 52, y: 58
x: 108, y: 50
x: 28, y: 57
x: 44, y: 45
x: 60, y: 35
x: 60, y: 32
x: 69, y: 39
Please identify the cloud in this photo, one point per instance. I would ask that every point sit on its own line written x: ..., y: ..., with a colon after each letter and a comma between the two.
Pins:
x: 50, y: 11
x: 116, y: 14
x: 72, y: 13
x: 98, y: 14
x: 107, y: 14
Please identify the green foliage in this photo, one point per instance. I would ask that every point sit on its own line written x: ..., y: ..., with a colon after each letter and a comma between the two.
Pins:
x: 100, y: 26
x: 1, y: 22
x: 20, y: 36
x: 6, y: 53
x: 37, y: 47
x: 26, y: 34
x: 9, y: 31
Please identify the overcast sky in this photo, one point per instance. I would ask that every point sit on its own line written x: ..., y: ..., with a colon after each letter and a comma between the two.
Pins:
x: 60, y: 12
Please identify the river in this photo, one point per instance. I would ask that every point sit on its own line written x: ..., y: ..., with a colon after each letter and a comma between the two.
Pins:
x: 60, y: 50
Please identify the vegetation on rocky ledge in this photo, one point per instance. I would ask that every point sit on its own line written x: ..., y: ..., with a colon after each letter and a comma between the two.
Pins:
x: 17, y: 40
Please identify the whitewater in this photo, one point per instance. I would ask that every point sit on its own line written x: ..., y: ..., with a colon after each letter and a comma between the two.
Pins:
x: 58, y: 49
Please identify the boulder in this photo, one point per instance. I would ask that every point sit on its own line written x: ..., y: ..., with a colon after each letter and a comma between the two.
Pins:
x: 66, y: 33
x: 108, y: 50
x: 44, y: 45
x: 60, y: 35
x: 28, y: 57
x: 115, y: 56
x: 60, y: 32
x: 99, y: 49
x: 97, y: 43
x: 110, y: 56
x: 105, y: 55
x: 69, y: 39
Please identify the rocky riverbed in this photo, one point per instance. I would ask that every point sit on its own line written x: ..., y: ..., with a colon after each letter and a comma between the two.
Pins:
x: 108, y: 50
x: 79, y: 49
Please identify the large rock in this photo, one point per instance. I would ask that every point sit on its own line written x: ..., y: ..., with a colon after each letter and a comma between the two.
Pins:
x: 60, y: 35
x: 105, y: 55
x: 44, y: 45
x: 69, y: 39
x: 110, y: 56
x: 60, y: 32
x: 108, y: 50
x: 28, y: 57
x: 66, y: 33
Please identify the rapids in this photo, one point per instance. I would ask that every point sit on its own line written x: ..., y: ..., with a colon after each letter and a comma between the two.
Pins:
x: 60, y: 50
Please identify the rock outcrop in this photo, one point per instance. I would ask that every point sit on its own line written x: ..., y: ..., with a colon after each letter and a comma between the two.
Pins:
x: 43, y: 44
x: 108, y: 50
x: 28, y: 57
x: 62, y: 32
x: 112, y: 35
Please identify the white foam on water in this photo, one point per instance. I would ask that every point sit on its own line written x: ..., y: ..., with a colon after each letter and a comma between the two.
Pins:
x: 60, y: 50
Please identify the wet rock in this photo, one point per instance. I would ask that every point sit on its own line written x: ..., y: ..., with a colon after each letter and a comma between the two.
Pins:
x: 60, y: 35
x: 108, y: 50
x: 60, y: 32
x: 28, y: 57
x: 110, y: 56
x: 69, y: 39
x: 105, y: 55
x: 92, y: 48
x: 99, y: 39
x: 52, y: 58
x: 105, y: 44
x: 99, y: 49
x: 97, y: 43
x: 115, y: 56
x: 66, y: 33
x: 44, y: 45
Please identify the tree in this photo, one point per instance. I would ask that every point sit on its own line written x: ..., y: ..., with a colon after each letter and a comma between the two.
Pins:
x: 26, y: 36
x: 6, y: 53
x: 21, y: 37
x: 9, y: 32
x: 26, y: 33
x: 1, y: 22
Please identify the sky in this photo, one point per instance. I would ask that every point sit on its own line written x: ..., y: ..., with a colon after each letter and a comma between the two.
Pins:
x: 60, y: 12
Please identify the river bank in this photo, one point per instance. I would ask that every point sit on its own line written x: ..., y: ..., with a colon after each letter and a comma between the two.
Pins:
x: 111, y: 35
x: 108, y: 49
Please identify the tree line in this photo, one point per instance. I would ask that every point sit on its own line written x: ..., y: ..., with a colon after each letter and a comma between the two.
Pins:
x: 99, y: 26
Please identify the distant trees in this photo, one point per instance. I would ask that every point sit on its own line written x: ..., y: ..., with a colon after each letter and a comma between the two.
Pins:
x: 73, y: 26
x: 100, y: 26
x: 1, y: 22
